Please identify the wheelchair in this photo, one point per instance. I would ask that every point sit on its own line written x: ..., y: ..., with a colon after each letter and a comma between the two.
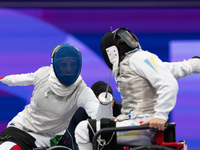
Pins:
x: 165, y: 140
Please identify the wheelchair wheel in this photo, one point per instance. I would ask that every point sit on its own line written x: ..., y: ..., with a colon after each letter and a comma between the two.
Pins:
x: 58, y: 148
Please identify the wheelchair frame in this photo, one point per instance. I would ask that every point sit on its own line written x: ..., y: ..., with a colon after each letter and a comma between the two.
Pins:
x: 159, y: 136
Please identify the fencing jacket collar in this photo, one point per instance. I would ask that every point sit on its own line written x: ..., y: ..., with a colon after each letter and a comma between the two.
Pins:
x: 60, y: 89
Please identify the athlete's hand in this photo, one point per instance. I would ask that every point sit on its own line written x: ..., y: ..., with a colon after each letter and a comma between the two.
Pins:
x: 113, y: 118
x: 194, y: 62
x: 155, y: 123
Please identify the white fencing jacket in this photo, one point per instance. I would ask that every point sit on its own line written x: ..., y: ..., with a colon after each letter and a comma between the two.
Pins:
x: 53, y: 104
x: 148, y: 85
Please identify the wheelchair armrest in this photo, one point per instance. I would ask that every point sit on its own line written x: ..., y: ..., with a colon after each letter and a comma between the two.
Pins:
x: 168, y: 125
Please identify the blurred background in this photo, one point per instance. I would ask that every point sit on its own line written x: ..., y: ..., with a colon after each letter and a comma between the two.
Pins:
x: 29, y: 31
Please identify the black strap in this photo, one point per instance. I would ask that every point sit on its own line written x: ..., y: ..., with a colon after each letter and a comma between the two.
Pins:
x: 107, y: 136
x: 111, y: 136
x: 20, y: 137
x: 92, y: 123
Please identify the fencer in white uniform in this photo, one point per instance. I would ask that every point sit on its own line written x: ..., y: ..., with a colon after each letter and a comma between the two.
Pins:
x: 148, y: 87
x: 58, y: 92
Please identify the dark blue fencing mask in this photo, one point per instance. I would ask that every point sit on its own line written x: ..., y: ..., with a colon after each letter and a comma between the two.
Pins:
x: 67, y: 63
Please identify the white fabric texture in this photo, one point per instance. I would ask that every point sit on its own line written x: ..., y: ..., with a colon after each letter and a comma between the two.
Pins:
x: 42, y: 140
x: 161, y: 79
x: 58, y: 88
x: 179, y: 69
x: 19, y: 79
x: 195, y: 65
x: 82, y: 136
x: 52, y: 104
x: 162, y: 76
x: 7, y: 145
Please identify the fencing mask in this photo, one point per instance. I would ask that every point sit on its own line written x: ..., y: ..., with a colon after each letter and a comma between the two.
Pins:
x: 67, y: 63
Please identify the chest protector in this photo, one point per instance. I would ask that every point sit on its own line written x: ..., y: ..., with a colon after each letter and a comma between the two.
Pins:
x: 137, y: 93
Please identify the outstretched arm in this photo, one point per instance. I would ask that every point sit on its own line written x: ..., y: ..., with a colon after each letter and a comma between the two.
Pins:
x: 184, y: 68
x: 18, y: 79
